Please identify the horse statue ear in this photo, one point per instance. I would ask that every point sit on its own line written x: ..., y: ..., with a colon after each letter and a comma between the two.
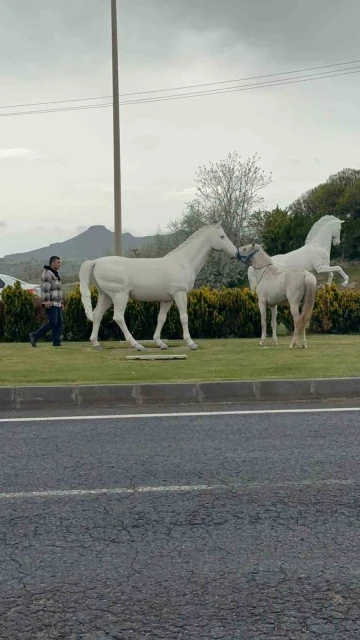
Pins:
x: 342, y: 221
x: 218, y: 225
x: 253, y: 244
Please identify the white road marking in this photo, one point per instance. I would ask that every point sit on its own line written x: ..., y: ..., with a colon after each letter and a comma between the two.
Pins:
x: 186, y: 488
x: 188, y: 414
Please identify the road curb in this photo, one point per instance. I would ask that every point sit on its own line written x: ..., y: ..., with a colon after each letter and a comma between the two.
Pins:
x: 123, y: 395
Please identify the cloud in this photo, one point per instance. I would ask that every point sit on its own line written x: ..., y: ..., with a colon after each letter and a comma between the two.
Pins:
x: 304, y: 30
x: 184, y: 194
x: 150, y: 31
x: 20, y: 154
x: 2, y: 224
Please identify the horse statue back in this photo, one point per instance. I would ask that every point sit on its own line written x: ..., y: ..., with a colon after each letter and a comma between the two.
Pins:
x: 165, y: 280
x: 314, y: 256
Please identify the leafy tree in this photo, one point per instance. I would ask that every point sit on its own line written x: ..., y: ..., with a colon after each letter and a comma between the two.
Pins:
x: 256, y: 224
x: 338, y: 196
x: 276, y: 230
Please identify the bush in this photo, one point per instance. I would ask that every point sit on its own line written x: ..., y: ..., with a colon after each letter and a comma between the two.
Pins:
x: 19, y: 314
x: 2, y: 320
x: 224, y: 313
x: 335, y: 311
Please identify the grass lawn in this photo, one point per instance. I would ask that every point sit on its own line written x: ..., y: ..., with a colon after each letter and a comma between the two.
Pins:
x: 327, y: 356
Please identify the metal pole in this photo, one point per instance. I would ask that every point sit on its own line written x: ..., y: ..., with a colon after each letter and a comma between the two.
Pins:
x: 116, y: 128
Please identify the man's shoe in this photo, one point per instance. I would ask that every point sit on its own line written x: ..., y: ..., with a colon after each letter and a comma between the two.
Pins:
x: 32, y: 339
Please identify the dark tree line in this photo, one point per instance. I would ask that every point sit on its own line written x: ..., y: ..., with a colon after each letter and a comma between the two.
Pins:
x: 286, y: 229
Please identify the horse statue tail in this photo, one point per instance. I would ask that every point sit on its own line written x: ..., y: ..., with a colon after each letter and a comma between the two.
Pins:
x: 85, y: 274
x: 308, y: 302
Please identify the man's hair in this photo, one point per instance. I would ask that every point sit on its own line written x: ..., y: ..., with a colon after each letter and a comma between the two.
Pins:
x: 53, y: 258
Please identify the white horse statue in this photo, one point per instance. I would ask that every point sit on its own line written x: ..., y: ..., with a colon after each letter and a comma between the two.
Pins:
x: 274, y: 286
x: 315, y: 254
x: 163, y: 280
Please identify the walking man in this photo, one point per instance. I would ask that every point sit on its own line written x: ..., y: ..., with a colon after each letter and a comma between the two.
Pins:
x: 51, y: 295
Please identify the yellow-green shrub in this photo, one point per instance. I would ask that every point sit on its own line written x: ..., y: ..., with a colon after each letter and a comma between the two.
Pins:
x: 18, y: 317
x: 335, y: 311
x: 223, y: 313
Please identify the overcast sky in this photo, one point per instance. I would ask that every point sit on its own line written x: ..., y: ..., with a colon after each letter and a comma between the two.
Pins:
x: 56, y: 168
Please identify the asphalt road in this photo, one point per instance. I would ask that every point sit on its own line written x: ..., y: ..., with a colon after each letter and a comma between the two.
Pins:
x: 181, y: 528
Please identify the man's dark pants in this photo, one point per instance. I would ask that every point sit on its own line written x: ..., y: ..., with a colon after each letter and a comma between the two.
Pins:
x: 54, y: 323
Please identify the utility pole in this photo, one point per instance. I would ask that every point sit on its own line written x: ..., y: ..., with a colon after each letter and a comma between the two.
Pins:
x: 116, y: 134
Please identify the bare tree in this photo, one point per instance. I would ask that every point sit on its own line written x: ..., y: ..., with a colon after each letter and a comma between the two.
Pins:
x: 229, y: 190
x: 192, y: 219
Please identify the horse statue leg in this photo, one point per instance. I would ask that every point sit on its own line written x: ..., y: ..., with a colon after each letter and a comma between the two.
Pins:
x: 294, y: 308
x: 164, y: 308
x: 331, y: 270
x: 181, y: 302
x: 103, y: 304
x: 262, y: 307
x: 304, y: 344
x: 273, y: 325
x: 120, y: 302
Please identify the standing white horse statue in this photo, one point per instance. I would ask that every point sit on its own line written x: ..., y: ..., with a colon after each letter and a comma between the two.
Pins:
x: 315, y: 254
x: 164, y: 280
x: 274, y: 286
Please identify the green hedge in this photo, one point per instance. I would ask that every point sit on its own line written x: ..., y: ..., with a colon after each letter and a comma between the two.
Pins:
x: 335, y: 311
x: 224, y: 313
x: 212, y: 314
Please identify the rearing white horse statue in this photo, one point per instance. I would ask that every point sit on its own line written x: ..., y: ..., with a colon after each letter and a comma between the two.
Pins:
x: 314, y: 256
x: 163, y: 280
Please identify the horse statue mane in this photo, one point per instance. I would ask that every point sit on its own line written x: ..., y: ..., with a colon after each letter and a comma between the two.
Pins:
x: 322, y: 222
x: 193, y: 236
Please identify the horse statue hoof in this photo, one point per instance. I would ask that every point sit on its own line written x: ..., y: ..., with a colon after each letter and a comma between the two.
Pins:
x: 139, y: 347
x: 163, y: 345
x: 193, y: 346
x: 98, y: 347
x: 345, y: 283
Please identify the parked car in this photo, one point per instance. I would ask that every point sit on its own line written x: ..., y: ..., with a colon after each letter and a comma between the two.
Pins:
x: 6, y: 281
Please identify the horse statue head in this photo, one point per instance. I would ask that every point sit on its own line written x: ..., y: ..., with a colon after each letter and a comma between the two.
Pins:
x: 336, y: 231
x: 246, y: 253
x: 323, y: 228
x: 219, y: 240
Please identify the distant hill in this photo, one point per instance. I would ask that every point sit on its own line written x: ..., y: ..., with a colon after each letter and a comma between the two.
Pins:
x: 93, y: 243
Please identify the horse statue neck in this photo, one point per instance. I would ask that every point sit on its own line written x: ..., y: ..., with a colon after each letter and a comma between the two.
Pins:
x: 261, y: 259
x: 195, y: 250
x: 323, y: 237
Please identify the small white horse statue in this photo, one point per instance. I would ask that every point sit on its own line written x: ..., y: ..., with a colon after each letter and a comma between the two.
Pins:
x: 163, y: 280
x: 275, y: 285
x: 315, y: 254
